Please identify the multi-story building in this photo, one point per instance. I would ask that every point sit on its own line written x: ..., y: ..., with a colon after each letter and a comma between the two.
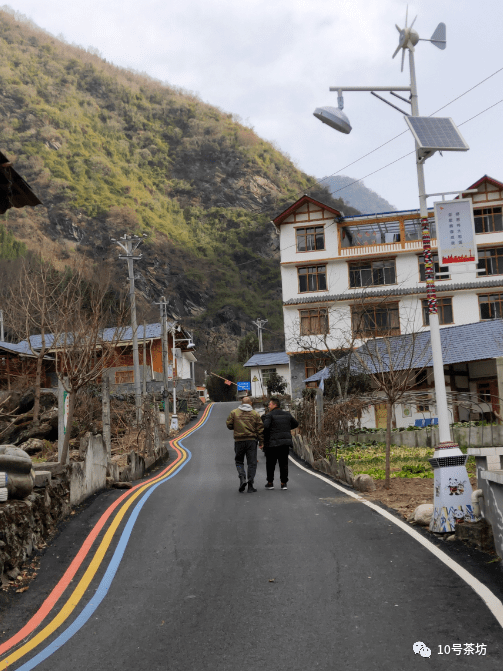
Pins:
x: 346, y: 279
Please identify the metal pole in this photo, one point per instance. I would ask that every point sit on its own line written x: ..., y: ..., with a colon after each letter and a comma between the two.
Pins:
x: 431, y: 292
x: 448, y: 462
x: 174, y: 417
x: 2, y: 338
x: 129, y: 244
x: 144, y: 359
x: 165, y: 359
x: 260, y: 324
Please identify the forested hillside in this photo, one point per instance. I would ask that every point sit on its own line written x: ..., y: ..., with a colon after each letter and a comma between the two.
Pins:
x: 110, y: 151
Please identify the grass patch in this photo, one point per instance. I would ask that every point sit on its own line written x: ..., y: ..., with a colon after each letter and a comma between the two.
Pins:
x: 370, y: 458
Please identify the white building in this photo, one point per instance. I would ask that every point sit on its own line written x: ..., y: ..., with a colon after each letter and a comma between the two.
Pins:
x: 262, y: 365
x: 345, y: 279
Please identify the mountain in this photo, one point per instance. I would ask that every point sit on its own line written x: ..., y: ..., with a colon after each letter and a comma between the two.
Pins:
x: 109, y: 151
x: 357, y: 195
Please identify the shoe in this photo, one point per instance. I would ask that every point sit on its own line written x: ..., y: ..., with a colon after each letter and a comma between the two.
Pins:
x: 283, y: 486
x: 242, y: 483
x: 250, y: 487
x: 269, y: 486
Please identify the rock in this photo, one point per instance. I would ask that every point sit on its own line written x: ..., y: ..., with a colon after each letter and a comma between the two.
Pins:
x: 349, y: 476
x: 322, y: 465
x: 122, y: 485
x: 14, y: 573
x: 364, y: 483
x: 42, y: 478
x: 423, y: 513
x: 110, y: 481
x: 451, y: 537
x: 32, y: 446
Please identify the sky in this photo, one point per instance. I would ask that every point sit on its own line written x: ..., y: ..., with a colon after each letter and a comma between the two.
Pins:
x: 272, y: 62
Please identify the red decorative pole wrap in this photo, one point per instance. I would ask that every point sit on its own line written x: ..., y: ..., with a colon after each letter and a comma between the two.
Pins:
x: 431, y: 292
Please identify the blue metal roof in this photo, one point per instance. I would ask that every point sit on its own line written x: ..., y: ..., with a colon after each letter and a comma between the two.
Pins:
x: 268, y: 359
x: 125, y: 335
x: 460, y: 343
x: 19, y: 348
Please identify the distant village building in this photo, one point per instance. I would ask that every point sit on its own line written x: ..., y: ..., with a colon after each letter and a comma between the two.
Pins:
x: 264, y: 364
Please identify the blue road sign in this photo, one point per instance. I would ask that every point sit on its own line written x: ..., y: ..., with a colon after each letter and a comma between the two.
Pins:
x: 244, y: 386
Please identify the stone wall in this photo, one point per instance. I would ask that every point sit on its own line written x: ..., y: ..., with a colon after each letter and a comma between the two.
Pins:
x: 489, y: 466
x: 27, y: 523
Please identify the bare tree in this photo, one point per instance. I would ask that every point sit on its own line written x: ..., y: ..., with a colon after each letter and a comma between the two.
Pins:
x: 33, y: 307
x: 90, y: 329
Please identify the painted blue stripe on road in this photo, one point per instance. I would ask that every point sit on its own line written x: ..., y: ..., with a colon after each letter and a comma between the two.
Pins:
x: 106, y: 581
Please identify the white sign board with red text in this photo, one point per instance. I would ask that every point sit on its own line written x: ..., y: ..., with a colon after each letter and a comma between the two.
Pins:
x: 456, y: 234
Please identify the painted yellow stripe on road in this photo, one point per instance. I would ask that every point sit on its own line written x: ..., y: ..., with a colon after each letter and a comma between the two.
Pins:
x: 95, y: 563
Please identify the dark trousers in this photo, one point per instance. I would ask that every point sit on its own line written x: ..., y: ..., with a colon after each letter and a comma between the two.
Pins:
x: 248, y: 448
x: 273, y: 455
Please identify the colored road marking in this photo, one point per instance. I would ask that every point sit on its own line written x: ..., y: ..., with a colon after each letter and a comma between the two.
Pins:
x: 79, y: 591
x: 492, y: 602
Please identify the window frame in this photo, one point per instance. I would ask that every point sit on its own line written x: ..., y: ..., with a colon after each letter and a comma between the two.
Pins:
x: 441, y: 310
x: 315, y: 365
x: 481, y: 250
x: 500, y: 302
x: 492, y: 213
x: 305, y: 228
x: 371, y: 262
x: 322, y: 313
x: 436, y: 264
x: 127, y: 373
x: 317, y: 275
x: 393, y: 331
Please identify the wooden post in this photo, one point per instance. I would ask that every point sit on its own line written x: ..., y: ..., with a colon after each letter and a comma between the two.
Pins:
x: 107, y: 430
x: 319, y: 410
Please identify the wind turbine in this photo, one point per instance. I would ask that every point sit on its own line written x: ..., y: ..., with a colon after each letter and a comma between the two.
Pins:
x: 409, y: 38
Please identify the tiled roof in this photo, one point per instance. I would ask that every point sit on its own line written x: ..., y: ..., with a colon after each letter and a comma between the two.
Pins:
x: 126, y: 334
x: 403, y: 291
x: 268, y: 359
x: 461, y: 343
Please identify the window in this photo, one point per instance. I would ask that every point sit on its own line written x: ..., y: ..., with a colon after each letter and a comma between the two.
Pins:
x: 423, y: 405
x: 488, y: 220
x: 436, y: 267
x: 413, y: 230
x: 312, y: 279
x: 314, y: 321
x: 491, y: 261
x: 484, y: 392
x: 378, y: 320
x: 313, y: 366
x: 491, y: 306
x: 421, y: 378
x: 371, y: 273
x: 310, y: 238
x: 124, y: 377
x: 266, y: 374
x: 370, y: 234
x: 445, y: 315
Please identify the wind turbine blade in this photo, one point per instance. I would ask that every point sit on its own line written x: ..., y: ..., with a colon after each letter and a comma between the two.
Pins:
x: 413, y: 22
x: 399, y: 29
x: 403, y: 59
x: 406, y: 15
x: 439, y: 36
x: 397, y: 50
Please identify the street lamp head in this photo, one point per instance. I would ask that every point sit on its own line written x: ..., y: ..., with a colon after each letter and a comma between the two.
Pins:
x: 333, y: 117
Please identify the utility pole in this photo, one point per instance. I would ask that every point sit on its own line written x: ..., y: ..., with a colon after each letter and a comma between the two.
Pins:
x: 174, y: 417
x: 144, y: 358
x: 165, y: 359
x: 260, y: 325
x: 130, y: 244
x: 1, y: 326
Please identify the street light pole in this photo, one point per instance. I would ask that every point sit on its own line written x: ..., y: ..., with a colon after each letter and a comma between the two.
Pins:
x: 130, y: 244
x: 165, y: 357
x: 448, y: 462
x: 174, y: 417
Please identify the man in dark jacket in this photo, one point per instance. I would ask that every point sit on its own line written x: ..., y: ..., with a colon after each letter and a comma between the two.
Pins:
x: 277, y: 441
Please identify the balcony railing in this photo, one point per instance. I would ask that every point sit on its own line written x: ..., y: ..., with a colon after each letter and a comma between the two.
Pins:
x: 385, y: 248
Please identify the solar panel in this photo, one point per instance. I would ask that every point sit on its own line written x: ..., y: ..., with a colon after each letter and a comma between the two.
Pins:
x: 437, y: 133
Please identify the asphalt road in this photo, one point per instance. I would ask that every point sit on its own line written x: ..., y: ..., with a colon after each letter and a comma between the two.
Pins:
x: 306, y: 579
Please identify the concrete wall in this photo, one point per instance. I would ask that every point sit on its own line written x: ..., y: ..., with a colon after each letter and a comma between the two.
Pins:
x: 489, y: 465
x: 88, y: 476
